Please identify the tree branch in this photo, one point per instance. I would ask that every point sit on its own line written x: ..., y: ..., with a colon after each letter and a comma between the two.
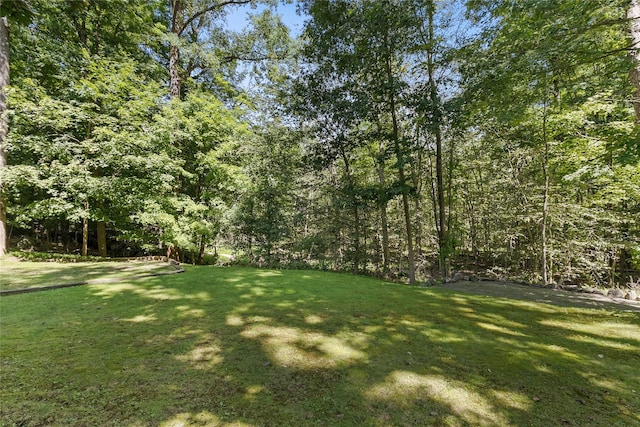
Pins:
x: 230, y: 58
x: 210, y: 9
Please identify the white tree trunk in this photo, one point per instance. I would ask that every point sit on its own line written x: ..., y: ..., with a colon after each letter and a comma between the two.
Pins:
x: 634, y: 16
x: 4, y: 127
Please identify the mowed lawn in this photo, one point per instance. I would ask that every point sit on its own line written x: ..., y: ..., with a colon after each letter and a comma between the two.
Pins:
x: 248, y: 347
x: 15, y: 274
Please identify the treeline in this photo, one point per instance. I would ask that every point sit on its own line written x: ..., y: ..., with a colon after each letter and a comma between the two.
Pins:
x: 400, y: 138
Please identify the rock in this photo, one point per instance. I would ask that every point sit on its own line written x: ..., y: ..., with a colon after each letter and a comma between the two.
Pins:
x: 615, y: 293
x: 457, y: 276
x: 429, y: 282
x: 465, y: 278
x: 632, y: 295
x: 474, y: 278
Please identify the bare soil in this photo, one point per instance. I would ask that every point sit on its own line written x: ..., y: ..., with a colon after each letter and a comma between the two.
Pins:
x: 557, y: 297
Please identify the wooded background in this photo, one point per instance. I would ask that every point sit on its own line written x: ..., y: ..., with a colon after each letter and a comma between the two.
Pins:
x: 402, y: 138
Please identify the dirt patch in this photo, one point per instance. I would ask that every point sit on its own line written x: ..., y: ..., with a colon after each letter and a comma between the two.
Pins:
x: 557, y: 297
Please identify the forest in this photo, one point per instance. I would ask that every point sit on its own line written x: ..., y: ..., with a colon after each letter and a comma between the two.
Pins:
x: 405, y: 139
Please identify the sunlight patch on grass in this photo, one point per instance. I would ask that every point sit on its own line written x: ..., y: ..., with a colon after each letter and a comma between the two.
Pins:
x: 313, y: 319
x: 497, y: 319
x: 412, y: 323
x: 292, y: 347
x: 206, y: 354
x: 536, y: 306
x: 511, y: 399
x: 500, y: 329
x: 542, y: 351
x: 153, y: 292
x: 188, y: 311
x: 110, y: 290
x: 442, y: 337
x: 543, y: 368
x: 603, y: 329
x: 553, y: 347
x: 201, y: 419
x: 405, y: 389
x: 254, y: 389
x: 269, y: 273
x: 256, y: 291
x: 604, y: 342
x: 610, y: 384
x: 142, y: 318
x: 235, y: 320
x: 372, y: 329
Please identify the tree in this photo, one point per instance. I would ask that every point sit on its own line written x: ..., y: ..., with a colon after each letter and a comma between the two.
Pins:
x: 357, y: 52
x: 263, y: 217
x: 67, y: 111
x: 198, y: 131
x: 20, y: 10
x: 633, y: 15
x: 554, y: 63
x: 4, y: 82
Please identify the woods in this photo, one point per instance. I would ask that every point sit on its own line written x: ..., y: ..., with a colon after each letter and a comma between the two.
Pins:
x: 401, y: 138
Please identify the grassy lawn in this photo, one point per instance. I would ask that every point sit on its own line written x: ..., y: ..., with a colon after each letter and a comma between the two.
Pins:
x: 16, y: 274
x: 246, y: 347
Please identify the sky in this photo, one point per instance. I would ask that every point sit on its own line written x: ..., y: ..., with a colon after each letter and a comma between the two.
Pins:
x: 237, y: 19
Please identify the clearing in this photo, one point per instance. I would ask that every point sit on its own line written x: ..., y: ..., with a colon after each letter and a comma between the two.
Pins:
x: 248, y: 347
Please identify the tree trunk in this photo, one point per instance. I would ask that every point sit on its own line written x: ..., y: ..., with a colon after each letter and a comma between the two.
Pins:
x: 385, y: 226
x: 545, y: 199
x: 201, y: 251
x: 356, y: 215
x: 417, y: 179
x: 634, y: 16
x: 85, y: 237
x: 177, y: 19
x: 401, y: 176
x: 545, y: 214
x: 378, y: 159
x: 102, y: 239
x: 4, y: 126
x: 175, y: 85
x: 437, y: 119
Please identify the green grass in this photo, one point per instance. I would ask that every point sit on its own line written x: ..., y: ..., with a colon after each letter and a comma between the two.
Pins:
x: 16, y: 274
x: 246, y: 347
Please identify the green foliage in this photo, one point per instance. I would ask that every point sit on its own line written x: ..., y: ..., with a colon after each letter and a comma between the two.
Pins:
x: 263, y: 213
x: 512, y: 124
x: 563, y: 68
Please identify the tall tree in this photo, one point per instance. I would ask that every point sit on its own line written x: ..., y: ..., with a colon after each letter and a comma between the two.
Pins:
x: 357, y: 50
x: 432, y: 110
x: 563, y: 68
x: 199, y: 45
x: 633, y: 14
x: 4, y: 82
x: 19, y: 11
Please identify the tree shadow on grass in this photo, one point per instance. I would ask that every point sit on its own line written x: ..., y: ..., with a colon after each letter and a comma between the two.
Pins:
x: 32, y: 275
x: 261, y: 348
